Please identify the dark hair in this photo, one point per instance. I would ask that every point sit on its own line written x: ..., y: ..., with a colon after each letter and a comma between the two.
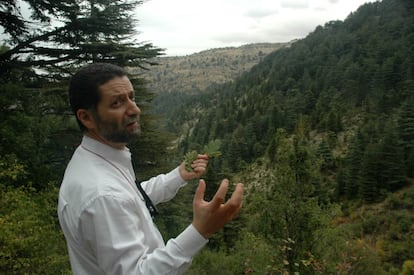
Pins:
x: 84, y: 86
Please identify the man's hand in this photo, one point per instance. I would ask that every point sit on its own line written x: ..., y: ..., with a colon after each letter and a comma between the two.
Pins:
x: 199, y: 167
x: 210, y: 217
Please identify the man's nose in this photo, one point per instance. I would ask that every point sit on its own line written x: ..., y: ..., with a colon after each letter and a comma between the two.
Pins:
x: 133, y: 108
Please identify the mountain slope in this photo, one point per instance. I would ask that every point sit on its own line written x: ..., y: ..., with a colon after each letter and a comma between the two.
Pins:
x: 333, y: 113
x: 193, y: 73
x: 341, y: 75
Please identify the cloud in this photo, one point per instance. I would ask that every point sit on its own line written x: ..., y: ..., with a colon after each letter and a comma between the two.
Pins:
x: 294, y: 4
x: 258, y: 13
x: 268, y: 30
x: 188, y: 26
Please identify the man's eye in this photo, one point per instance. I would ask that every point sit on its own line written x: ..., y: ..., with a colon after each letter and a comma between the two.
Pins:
x: 116, y: 103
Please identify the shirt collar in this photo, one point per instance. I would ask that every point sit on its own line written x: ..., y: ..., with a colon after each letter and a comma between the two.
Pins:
x: 118, y: 156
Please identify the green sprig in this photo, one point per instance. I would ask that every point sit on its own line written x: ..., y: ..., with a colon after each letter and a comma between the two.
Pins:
x: 212, y: 149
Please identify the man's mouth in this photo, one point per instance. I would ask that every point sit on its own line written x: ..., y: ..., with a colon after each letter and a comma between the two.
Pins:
x: 133, y: 124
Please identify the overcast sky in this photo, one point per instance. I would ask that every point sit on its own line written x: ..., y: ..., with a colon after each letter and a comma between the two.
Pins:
x: 183, y: 27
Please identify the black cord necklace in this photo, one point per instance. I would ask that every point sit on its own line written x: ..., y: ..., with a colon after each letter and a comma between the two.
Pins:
x: 148, y: 202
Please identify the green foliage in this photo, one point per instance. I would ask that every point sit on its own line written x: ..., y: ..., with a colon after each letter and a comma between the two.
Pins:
x: 37, y: 131
x: 32, y: 131
x: 11, y: 171
x: 375, y: 162
x: 408, y: 268
x: 88, y: 31
x: 360, y: 258
x: 349, y: 82
x: 212, y: 149
x: 383, y: 234
x: 211, y: 262
x: 289, y: 192
x: 406, y: 133
x: 338, y: 84
x: 189, y: 158
x: 37, y: 58
x: 251, y: 254
x: 399, y: 239
x: 176, y: 215
x: 30, y: 239
x: 342, y: 82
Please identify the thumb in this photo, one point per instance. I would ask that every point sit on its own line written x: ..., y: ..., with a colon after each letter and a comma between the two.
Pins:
x: 199, y: 194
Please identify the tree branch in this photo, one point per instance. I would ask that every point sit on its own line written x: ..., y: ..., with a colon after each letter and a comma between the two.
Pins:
x: 8, y: 54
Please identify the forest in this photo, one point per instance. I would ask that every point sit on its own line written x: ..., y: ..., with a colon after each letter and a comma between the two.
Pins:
x: 321, y: 133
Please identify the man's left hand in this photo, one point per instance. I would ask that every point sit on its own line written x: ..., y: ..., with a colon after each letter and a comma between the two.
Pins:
x: 199, y: 167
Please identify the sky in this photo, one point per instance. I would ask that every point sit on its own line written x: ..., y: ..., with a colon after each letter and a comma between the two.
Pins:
x: 184, y: 27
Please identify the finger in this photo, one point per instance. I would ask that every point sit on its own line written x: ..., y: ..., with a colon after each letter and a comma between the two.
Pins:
x: 203, y: 157
x: 196, y: 164
x: 199, y: 194
x: 199, y: 165
x: 236, y: 213
x: 199, y: 170
x: 200, y: 162
x: 220, y: 195
x: 236, y: 199
x: 238, y: 192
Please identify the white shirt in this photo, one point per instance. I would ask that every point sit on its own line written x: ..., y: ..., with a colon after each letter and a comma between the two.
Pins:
x: 107, y: 226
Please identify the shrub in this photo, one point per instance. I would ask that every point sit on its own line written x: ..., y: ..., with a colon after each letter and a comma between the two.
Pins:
x: 30, y: 238
x: 408, y: 268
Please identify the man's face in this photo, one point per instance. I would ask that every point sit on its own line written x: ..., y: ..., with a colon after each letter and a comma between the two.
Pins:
x: 116, y: 115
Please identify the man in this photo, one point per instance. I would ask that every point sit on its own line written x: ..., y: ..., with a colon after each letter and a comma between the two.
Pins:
x: 106, y: 223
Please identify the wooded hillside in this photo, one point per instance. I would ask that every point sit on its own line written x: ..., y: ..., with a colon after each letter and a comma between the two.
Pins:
x: 320, y: 132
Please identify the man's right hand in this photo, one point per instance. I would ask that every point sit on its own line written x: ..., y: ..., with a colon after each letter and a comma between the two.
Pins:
x: 210, y: 217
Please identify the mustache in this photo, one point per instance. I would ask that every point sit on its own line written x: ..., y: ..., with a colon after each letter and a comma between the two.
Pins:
x: 132, y: 120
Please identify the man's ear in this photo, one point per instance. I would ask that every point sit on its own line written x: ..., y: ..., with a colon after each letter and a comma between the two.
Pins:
x: 86, y: 118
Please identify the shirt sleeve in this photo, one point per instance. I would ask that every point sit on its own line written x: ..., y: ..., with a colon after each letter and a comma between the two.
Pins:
x: 164, y: 186
x: 124, y: 242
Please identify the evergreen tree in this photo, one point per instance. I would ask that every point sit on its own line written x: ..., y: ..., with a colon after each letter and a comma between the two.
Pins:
x: 352, y: 166
x: 61, y: 34
x: 392, y: 164
x: 406, y: 133
x: 289, y: 192
x: 36, y: 59
x: 326, y: 155
x: 38, y: 134
x: 369, y: 186
x: 333, y: 121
